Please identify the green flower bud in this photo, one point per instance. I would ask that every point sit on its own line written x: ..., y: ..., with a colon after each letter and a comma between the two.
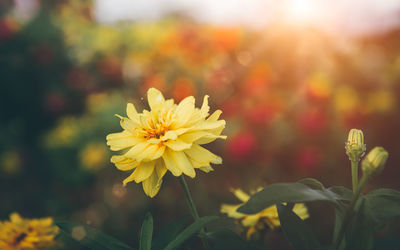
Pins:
x: 355, y: 147
x: 375, y: 161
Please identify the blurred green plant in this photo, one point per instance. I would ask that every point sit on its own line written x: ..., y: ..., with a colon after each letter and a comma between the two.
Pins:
x: 355, y: 214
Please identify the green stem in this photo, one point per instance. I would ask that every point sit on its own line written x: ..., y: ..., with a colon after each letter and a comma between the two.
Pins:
x: 354, y: 175
x: 350, y: 211
x: 193, y: 209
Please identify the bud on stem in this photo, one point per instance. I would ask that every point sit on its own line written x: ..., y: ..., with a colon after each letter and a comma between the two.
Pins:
x: 355, y: 147
x: 375, y: 161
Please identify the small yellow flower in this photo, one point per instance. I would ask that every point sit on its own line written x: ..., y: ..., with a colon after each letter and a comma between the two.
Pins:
x: 375, y: 161
x: 20, y: 233
x: 93, y: 156
x: 254, y: 222
x: 168, y: 137
x: 355, y: 147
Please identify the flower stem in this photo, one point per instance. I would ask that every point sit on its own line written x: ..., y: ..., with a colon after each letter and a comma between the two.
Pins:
x: 193, y: 209
x: 350, y: 211
x: 354, y: 175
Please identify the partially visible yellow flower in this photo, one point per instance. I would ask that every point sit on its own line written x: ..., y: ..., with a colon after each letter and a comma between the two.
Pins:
x: 93, y: 156
x: 168, y: 137
x: 254, y: 222
x: 19, y: 233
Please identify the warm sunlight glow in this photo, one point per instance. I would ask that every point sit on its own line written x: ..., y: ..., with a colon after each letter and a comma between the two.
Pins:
x: 300, y: 12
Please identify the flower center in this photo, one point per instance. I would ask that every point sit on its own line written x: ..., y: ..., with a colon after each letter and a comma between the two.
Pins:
x: 156, y: 125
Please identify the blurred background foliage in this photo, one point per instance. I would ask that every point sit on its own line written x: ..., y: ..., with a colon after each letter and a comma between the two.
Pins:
x: 289, y: 96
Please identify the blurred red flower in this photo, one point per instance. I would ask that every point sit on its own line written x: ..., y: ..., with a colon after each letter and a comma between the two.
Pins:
x: 242, y: 146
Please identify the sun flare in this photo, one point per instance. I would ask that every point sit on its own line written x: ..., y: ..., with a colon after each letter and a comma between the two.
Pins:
x: 302, y: 11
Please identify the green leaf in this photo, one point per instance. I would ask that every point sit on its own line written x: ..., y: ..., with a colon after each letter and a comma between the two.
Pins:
x: 344, y: 193
x: 146, y: 233
x: 339, y: 214
x: 227, y: 239
x: 312, y: 183
x: 361, y: 235
x: 296, y: 230
x: 169, y: 232
x: 383, y: 204
x: 90, y: 237
x: 286, y: 192
x: 190, y: 231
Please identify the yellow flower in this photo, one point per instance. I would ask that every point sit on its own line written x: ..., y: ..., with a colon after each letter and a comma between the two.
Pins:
x: 20, y: 233
x: 254, y: 222
x: 93, y: 156
x: 168, y: 137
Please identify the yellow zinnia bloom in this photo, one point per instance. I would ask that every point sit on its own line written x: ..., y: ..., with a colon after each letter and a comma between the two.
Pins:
x: 168, y: 137
x: 20, y: 233
x: 254, y: 222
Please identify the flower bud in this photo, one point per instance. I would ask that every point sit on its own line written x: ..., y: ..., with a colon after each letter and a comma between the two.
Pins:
x: 375, y: 161
x: 355, y: 147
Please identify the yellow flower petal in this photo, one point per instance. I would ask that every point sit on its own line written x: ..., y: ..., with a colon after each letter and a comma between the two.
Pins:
x: 151, y: 152
x: 127, y: 124
x: 152, y: 185
x: 185, y: 110
x: 231, y: 211
x: 155, y: 99
x: 15, y: 218
x: 206, y: 169
x: 240, y: 195
x: 205, y: 108
x: 214, y: 117
x: 122, y: 140
x: 181, y: 161
x: 202, y: 155
x: 208, y: 125
x: 123, y: 163
x: 142, y: 172
x: 250, y: 220
x: 136, y: 150
x: 170, y: 163
x: 251, y: 231
x: 301, y: 210
x: 197, y: 135
x: 177, y: 144
x: 132, y: 113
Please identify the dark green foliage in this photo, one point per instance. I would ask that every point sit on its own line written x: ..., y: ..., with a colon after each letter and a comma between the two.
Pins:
x: 169, y: 232
x: 146, y: 233
x: 383, y: 204
x: 361, y: 235
x: 288, y: 192
x: 190, y: 231
x: 297, y: 232
x: 227, y: 239
x: 93, y: 239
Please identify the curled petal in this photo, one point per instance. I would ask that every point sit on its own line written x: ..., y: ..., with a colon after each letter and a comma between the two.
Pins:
x: 141, y: 173
x: 123, y: 163
x: 152, y: 185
